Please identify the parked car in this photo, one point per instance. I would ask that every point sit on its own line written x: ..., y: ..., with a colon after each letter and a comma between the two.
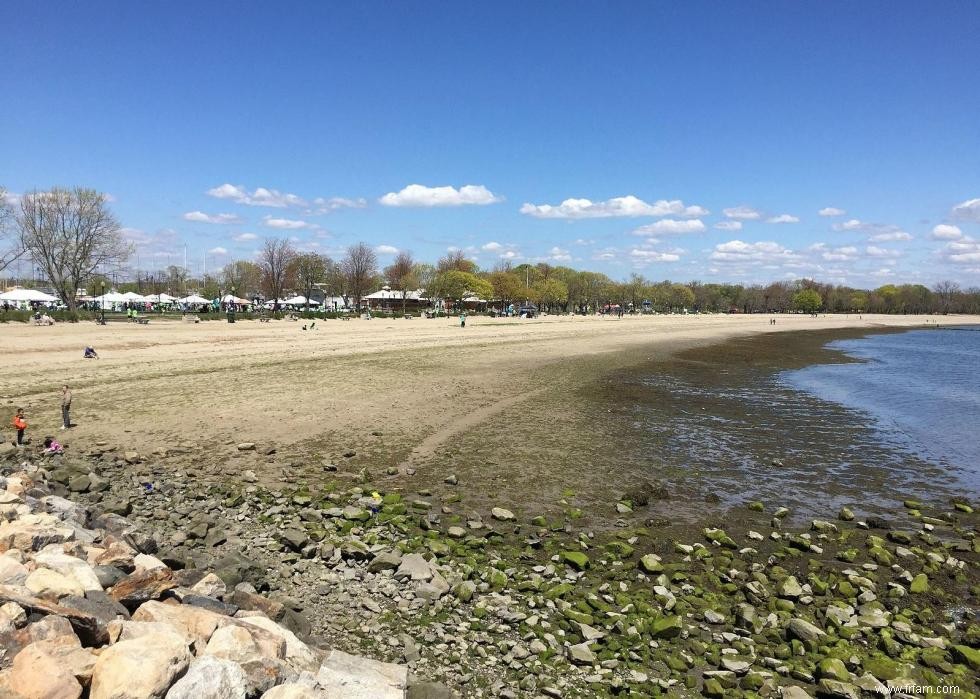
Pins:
x: 528, y: 311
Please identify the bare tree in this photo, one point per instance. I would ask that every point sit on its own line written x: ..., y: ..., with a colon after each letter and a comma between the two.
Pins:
x: 11, y: 247
x: 334, y: 280
x: 399, y: 275
x: 310, y: 270
x: 242, y: 275
x: 456, y: 260
x: 276, y: 259
x: 360, y: 266
x: 70, y: 234
x: 946, y: 290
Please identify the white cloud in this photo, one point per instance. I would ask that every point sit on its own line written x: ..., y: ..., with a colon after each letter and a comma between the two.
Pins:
x: 418, y: 195
x: 744, y: 213
x: 783, y: 218
x: 890, y: 237
x: 218, y: 251
x: 557, y: 254
x: 879, y: 232
x: 850, y: 225
x: 653, y: 255
x: 831, y: 211
x: 946, y: 232
x: 728, y: 226
x: 669, y: 226
x: 875, y: 251
x: 273, y: 198
x: 201, y: 217
x: 617, y: 207
x: 261, y: 196
x: 962, y: 251
x: 843, y: 254
x: 325, y: 206
x: 738, y: 251
x: 605, y: 254
x: 285, y: 223
x: 386, y: 250
x: 492, y: 246
x: 968, y: 210
x: 245, y: 237
x: 584, y: 241
x: 510, y: 255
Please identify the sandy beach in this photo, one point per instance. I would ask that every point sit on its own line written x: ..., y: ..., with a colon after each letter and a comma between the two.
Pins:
x: 419, y: 382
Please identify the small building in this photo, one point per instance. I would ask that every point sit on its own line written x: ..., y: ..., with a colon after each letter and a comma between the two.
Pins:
x: 387, y: 299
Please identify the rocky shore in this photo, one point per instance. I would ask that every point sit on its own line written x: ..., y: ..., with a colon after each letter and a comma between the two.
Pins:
x: 87, y: 610
x: 450, y: 600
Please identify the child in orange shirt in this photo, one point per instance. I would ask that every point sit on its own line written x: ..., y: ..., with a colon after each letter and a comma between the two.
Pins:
x: 20, y: 424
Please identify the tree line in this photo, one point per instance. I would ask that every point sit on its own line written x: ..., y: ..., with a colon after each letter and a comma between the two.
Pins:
x: 73, y: 237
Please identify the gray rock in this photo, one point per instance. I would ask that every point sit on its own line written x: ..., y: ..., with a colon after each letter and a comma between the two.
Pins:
x: 295, y: 539
x: 804, y: 630
x: 581, y: 654
x: 413, y: 567
x: 211, y: 677
x: 386, y: 560
x: 429, y: 690
x: 352, y: 677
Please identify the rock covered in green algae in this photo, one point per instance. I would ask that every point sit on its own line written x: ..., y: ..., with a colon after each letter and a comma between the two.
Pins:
x: 650, y: 563
x: 576, y: 559
x: 667, y: 627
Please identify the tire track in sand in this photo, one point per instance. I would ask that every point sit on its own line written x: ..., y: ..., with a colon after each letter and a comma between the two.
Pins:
x: 428, y: 446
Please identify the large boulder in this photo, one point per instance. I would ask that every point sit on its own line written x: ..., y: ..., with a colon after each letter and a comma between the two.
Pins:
x: 39, y: 674
x: 50, y: 584
x: 191, y: 622
x: 57, y: 560
x: 299, y: 656
x: 213, y: 678
x: 33, y: 532
x: 352, y: 677
x: 12, y: 572
x: 142, y: 668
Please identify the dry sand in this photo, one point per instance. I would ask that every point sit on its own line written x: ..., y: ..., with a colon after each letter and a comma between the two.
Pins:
x: 419, y: 382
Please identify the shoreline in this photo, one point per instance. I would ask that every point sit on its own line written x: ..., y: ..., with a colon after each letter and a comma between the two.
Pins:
x: 723, y: 609
x: 536, y: 589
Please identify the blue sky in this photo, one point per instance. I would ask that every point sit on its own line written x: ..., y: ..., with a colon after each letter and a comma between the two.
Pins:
x: 686, y: 140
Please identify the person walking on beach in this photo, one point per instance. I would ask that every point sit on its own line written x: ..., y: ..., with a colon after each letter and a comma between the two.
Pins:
x: 20, y: 424
x: 65, y: 407
x: 462, y: 320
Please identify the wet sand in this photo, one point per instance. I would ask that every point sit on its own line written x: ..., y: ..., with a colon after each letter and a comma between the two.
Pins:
x: 523, y: 411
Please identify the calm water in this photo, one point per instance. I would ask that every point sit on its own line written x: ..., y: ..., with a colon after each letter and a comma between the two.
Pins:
x: 921, y: 389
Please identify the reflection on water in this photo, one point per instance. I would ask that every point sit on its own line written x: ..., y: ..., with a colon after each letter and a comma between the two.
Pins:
x: 743, y: 433
x: 921, y: 388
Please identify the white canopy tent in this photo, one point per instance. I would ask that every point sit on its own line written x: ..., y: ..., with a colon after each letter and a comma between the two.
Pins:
x: 27, y: 296
x: 299, y: 301
x: 228, y: 298
x: 194, y: 299
x: 134, y: 297
x: 161, y: 298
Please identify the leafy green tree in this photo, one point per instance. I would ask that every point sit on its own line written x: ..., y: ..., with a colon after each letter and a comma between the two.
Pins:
x: 507, y: 287
x: 456, y: 285
x: 681, y: 297
x: 807, y: 300
x: 550, y: 292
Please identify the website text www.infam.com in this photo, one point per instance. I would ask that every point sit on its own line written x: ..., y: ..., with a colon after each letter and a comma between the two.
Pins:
x: 916, y: 690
